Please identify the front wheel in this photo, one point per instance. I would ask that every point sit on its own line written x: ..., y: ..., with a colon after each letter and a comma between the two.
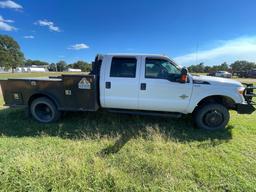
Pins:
x: 211, y: 117
x: 44, y: 110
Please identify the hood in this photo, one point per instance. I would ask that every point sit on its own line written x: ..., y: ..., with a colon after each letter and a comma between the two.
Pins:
x: 216, y: 80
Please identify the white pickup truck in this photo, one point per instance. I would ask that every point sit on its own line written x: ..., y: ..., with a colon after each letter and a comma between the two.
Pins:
x: 129, y: 83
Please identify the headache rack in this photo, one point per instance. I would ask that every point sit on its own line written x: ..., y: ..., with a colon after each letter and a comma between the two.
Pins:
x: 249, y: 93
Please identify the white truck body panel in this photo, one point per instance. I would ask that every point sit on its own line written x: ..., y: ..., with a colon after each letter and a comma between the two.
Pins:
x: 123, y: 93
x: 160, y: 94
x: 163, y: 95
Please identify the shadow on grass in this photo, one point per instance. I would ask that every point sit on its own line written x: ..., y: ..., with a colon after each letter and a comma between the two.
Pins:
x: 15, y: 123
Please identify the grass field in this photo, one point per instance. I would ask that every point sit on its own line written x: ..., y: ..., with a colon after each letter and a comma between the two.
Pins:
x: 113, y: 152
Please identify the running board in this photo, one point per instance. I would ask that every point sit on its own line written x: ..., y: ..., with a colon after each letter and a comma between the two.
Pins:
x: 149, y: 113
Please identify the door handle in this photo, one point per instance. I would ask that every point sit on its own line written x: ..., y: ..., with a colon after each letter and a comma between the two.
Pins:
x: 108, y: 85
x: 143, y: 86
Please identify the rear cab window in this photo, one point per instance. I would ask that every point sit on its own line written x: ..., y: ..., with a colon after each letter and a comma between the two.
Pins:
x: 123, y: 67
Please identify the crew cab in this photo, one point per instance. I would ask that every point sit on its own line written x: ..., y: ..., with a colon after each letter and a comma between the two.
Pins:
x: 133, y: 83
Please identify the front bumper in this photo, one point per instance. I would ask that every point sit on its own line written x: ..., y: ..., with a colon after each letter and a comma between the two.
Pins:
x: 248, y: 106
x: 245, y: 108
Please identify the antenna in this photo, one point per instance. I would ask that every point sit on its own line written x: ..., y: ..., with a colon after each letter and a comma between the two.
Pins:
x: 196, y: 53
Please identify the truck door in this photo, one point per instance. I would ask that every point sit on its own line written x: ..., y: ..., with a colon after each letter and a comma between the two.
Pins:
x: 122, y: 82
x: 159, y: 86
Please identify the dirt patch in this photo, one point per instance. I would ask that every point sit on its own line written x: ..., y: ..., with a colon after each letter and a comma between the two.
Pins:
x: 246, y: 80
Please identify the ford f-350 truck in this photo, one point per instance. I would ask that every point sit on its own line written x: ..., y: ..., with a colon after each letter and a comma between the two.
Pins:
x: 130, y: 83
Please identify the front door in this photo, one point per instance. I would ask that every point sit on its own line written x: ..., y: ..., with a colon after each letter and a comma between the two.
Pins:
x: 160, y: 89
x: 122, y: 83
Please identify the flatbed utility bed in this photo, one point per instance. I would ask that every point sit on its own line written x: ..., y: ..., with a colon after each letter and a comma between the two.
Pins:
x: 69, y: 92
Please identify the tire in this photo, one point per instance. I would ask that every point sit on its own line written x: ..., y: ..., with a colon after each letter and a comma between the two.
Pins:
x: 44, y: 110
x: 211, y: 117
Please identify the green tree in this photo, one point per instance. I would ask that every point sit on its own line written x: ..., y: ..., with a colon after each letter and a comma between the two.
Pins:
x: 242, y: 66
x: 52, y: 67
x: 11, y: 55
x: 208, y: 69
x: 30, y: 62
x: 61, y: 66
x: 85, y: 67
x: 200, y: 68
x: 224, y: 67
x: 197, y: 68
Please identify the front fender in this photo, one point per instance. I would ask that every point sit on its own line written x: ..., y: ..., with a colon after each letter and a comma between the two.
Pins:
x: 202, y: 91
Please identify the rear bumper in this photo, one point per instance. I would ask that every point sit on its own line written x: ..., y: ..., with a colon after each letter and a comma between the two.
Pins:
x: 245, y: 108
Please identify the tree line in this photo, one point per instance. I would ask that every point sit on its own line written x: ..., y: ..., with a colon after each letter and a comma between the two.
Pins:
x: 59, y: 66
x: 237, y: 66
x: 12, y: 57
x: 62, y: 66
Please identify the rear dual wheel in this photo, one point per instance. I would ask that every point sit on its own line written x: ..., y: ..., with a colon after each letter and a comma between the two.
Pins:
x: 44, y: 110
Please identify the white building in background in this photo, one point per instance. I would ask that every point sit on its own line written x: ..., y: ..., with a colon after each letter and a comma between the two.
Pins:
x: 3, y: 70
x: 74, y: 70
x: 37, y: 69
x: 21, y: 70
x: 31, y: 69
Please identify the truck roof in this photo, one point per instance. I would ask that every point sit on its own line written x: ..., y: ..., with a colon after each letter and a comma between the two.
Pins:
x: 134, y: 54
x: 99, y: 57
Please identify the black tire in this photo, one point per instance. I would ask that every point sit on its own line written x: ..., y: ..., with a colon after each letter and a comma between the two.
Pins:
x: 44, y: 110
x: 211, y: 117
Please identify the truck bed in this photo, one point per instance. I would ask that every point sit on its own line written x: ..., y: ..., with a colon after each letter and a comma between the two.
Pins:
x: 68, y: 92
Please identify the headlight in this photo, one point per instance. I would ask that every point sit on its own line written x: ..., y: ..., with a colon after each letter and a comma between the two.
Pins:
x: 240, y: 90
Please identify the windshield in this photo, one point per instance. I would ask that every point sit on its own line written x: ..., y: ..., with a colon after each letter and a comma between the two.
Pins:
x: 171, y: 67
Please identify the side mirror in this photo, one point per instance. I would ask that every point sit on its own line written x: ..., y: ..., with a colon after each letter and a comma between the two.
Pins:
x: 184, y: 75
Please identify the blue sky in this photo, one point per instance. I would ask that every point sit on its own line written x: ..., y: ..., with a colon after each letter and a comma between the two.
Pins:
x: 188, y: 31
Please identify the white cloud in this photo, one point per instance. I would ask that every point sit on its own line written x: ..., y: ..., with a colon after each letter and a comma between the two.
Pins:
x: 29, y: 37
x: 243, y: 48
x: 49, y: 24
x: 5, y: 20
x: 79, y: 46
x: 5, y: 26
x: 10, y: 4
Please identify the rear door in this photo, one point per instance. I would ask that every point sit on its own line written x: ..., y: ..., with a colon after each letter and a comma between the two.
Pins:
x: 122, y: 82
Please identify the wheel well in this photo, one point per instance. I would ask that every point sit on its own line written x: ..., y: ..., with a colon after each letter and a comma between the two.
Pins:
x: 228, y: 102
x: 38, y: 95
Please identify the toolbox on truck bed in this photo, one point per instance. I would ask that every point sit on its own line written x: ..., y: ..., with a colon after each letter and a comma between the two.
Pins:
x: 68, y: 92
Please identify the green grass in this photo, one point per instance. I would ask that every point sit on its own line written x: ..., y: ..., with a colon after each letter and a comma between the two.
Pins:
x: 112, y: 152
x: 1, y: 101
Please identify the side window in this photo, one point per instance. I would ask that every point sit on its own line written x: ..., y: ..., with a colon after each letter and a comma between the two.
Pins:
x: 160, y: 69
x: 123, y: 67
